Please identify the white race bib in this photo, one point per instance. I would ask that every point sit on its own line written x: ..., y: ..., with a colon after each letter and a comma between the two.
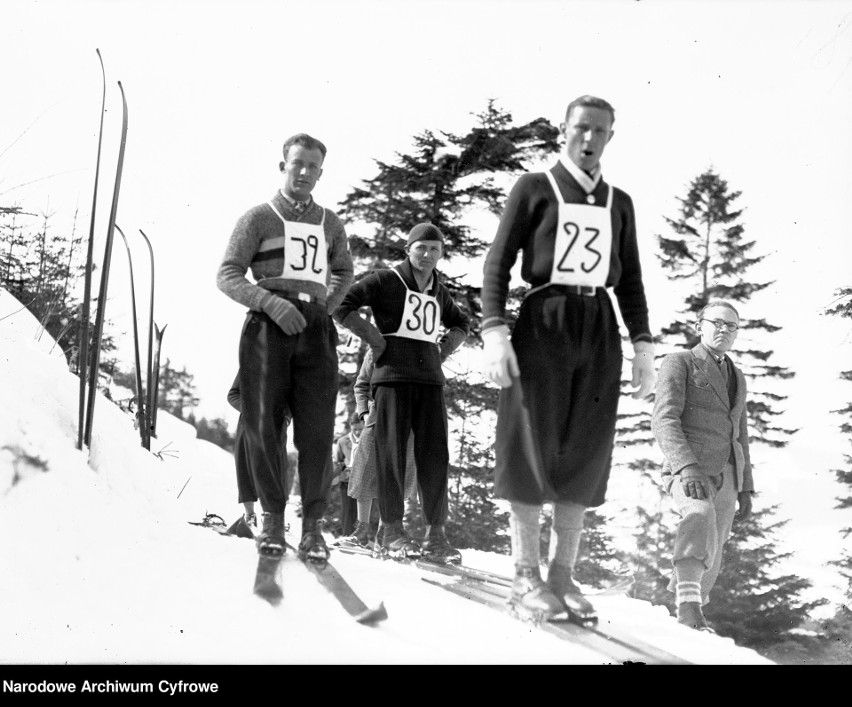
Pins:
x: 583, y: 242
x: 421, y: 316
x: 305, y: 251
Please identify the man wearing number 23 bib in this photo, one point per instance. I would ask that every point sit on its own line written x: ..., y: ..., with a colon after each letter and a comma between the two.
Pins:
x: 560, y: 372
x: 417, y: 326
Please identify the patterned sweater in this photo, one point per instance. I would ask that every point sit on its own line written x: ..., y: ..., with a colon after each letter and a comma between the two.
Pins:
x: 244, y: 251
x: 405, y: 360
x: 528, y: 224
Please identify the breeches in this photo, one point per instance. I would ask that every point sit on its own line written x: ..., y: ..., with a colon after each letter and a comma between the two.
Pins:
x: 299, y: 371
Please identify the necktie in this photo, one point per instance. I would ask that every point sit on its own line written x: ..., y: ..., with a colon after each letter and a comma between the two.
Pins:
x: 723, y: 368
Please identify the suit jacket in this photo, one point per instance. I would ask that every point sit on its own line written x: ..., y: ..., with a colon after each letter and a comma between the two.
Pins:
x: 693, y: 420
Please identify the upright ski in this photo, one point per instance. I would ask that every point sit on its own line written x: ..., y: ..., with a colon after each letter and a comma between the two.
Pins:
x: 102, y: 293
x: 334, y: 582
x: 140, y: 392
x: 152, y: 401
x: 83, y: 347
x: 155, y: 372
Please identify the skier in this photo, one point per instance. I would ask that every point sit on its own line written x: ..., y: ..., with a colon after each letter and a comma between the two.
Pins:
x: 299, y: 257
x: 560, y: 372
x: 409, y: 304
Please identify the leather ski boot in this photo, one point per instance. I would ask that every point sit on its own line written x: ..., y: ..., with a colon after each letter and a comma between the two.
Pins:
x: 397, y: 544
x: 359, y: 537
x: 437, y: 548
x: 561, y: 583
x: 271, y: 540
x: 532, y: 598
x: 312, y: 546
x: 689, y: 614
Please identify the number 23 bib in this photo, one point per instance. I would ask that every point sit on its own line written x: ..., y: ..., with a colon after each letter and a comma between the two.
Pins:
x: 583, y: 242
x: 421, y: 316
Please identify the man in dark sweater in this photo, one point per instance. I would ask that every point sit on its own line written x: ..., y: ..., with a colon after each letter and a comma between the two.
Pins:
x: 409, y: 305
x: 560, y: 373
x: 299, y: 257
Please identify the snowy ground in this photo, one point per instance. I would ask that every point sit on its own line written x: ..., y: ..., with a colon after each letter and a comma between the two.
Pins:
x: 98, y: 564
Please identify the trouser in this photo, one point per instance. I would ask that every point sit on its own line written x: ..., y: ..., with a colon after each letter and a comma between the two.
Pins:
x: 402, y: 409
x: 705, y: 526
x: 246, y: 492
x: 569, y: 354
x: 348, y: 509
x: 300, y: 371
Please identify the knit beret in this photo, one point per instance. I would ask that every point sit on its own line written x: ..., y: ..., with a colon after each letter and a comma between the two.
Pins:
x: 424, y: 232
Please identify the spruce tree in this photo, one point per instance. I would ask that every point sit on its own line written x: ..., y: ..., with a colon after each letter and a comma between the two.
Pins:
x: 709, y: 257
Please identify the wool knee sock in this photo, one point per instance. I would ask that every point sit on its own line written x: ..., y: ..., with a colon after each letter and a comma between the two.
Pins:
x: 364, y: 505
x: 565, y: 533
x: 525, y: 529
x: 688, y: 575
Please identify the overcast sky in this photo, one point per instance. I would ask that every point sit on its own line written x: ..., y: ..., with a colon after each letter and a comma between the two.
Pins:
x: 760, y: 91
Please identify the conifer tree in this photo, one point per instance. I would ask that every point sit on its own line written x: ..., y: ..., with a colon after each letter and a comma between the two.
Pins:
x: 839, y: 628
x: 751, y: 603
x: 708, y: 257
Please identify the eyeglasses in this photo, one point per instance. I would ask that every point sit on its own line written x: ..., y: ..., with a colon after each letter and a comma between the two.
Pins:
x: 722, y: 324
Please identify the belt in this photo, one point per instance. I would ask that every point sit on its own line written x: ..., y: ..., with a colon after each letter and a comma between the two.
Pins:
x: 298, y: 295
x: 586, y: 290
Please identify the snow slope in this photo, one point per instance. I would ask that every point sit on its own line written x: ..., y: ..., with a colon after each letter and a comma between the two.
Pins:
x: 98, y: 564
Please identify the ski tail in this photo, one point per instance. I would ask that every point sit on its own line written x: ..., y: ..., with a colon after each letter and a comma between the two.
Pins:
x: 140, y: 393
x: 102, y: 293
x: 83, y: 347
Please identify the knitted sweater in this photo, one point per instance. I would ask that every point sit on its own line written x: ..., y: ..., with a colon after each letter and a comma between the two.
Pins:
x: 405, y: 360
x: 528, y: 224
x: 260, y: 224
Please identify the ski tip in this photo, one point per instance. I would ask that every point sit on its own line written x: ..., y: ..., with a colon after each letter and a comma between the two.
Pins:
x: 373, y: 616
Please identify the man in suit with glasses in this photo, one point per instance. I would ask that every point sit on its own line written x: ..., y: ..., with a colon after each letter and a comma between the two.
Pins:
x: 700, y: 422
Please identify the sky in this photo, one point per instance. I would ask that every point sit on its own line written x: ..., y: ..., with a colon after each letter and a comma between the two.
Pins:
x: 129, y: 581
x: 759, y: 91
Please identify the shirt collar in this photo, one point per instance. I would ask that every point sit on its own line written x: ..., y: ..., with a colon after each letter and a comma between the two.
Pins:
x: 718, y: 359
x: 584, y: 180
x: 299, y: 206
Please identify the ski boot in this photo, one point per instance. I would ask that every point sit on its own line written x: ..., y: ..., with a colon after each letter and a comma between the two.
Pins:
x: 271, y: 540
x: 359, y: 537
x: 562, y: 584
x: 532, y: 599
x: 313, y: 547
x: 437, y: 548
x: 689, y: 614
x: 397, y: 544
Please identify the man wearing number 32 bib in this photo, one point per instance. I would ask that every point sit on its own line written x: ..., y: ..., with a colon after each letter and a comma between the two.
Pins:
x: 560, y: 372
x: 417, y: 326
x: 299, y: 257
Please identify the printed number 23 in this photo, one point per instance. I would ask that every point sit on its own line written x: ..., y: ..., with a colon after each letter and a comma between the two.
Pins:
x: 590, y: 235
x: 311, y: 242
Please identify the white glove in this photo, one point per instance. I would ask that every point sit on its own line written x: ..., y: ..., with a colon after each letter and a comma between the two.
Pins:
x: 499, y: 359
x: 644, y: 375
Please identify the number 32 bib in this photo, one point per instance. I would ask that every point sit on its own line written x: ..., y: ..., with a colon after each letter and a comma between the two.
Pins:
x: 583, y: 242
x: 421, y: 317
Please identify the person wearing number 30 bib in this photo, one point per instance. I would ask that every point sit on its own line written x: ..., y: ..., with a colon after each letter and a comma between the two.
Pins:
x: 560, y: 372
x: 417, y: 326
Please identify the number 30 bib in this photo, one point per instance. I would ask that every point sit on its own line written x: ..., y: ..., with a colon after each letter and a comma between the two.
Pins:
x: 583, y: 242
x: 421, y: 317
x: 305, y: 252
